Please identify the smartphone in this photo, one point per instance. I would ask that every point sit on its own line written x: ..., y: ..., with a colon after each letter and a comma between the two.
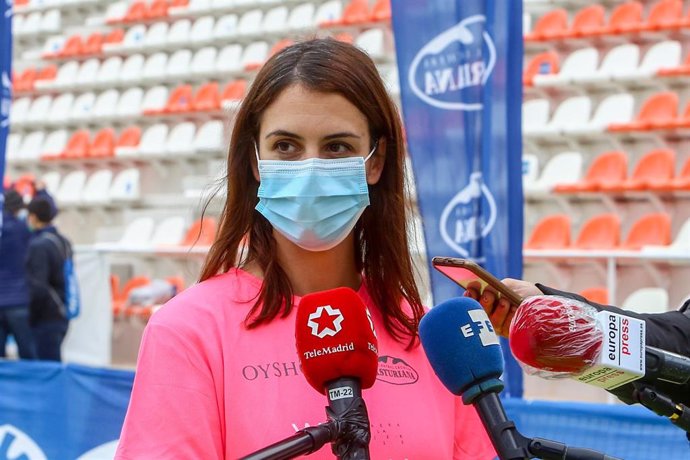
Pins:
x: 465, y: 272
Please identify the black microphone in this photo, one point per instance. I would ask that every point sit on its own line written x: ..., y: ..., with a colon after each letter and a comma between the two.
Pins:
x: 464, y: 352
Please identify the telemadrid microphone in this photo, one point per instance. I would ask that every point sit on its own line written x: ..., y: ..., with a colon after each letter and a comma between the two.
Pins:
x: 338, y: 352
x: 464, y: 352
x: 556, y: 336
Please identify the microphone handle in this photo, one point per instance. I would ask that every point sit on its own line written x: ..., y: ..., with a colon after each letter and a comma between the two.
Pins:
x: 303, y: 442
x: 552, y: 450
x: 666, y: 366
x: 508, y: 442
x: 348, y: 413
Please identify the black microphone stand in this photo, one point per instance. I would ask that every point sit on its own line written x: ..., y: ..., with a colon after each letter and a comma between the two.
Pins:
x: 303, y: 442
x: 660, y: 404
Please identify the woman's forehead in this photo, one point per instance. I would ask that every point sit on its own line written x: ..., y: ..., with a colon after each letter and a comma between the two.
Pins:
x: 300, y: 109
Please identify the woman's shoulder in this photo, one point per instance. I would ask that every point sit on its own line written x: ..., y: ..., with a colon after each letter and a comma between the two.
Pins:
x: 219, y: 298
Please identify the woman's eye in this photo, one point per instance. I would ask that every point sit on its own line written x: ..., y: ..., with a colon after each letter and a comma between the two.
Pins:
x: 284, y: 147
x: 338, y: 147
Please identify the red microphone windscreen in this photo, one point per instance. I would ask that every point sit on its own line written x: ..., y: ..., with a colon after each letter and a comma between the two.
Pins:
x: 335, y: 338
x: 555, y: 334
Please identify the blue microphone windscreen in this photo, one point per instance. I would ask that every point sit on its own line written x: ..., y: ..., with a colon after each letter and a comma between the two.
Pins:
x: 461, y: 345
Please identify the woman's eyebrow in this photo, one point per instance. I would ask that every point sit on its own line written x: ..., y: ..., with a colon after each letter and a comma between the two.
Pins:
x: 341, y: 134
x: 283, y: 133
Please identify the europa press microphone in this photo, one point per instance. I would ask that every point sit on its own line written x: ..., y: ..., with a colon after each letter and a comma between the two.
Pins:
x: 555, y: 336
x: 464, y: 352
x: 338, y: 353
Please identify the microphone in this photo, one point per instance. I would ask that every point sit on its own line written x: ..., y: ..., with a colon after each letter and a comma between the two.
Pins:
x: 557, y: 336
x: 338, y: 353
x: 464, y: 352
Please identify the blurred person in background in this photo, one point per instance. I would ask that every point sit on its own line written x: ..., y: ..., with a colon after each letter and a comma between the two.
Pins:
x: 45, y: 269
x: 14, y: 289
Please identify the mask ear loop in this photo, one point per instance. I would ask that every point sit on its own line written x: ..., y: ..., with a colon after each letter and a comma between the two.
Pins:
x: 376, y: 144
x: 256, y: 152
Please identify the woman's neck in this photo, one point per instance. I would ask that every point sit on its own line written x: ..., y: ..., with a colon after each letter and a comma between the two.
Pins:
x: 310, y: 271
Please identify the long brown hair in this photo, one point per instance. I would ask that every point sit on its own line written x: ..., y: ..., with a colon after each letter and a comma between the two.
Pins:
x: 381, y: 243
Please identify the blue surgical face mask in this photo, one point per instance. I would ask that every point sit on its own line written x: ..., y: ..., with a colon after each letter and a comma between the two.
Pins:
x: 314, y: 203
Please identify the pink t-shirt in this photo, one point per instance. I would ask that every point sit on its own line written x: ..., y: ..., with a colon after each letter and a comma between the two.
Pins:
x: 203, y: 390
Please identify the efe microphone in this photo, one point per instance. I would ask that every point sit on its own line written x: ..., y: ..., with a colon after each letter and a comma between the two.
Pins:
x: 464, y: 352
x: 338, y: 352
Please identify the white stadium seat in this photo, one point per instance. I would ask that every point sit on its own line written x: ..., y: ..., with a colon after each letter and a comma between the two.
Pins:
x: 580, y: 63
x: 329, y: 11
x: 153, y: 140
x: 250, y: 23
x: 88, y: 72
x: 82, y: 108
x: 154, y: 67
x: 155, y: 98
x: 647, y: 300
x: 138, y: 233
x: 179, y: 141
x: 96, y: 190
x: 302, y: 17
x: 156, y: 36
x: 254, y: 53
x: 535, y: 115
x: 571, y: 113
x: 202, y: 30
x: 54, y: 143
x: 178, y: 35
x: 71, y: 188
x: 129, y: 104
x: 32, y: 145
x: 134, y: 38
x: 19, y: 109
x: 563, y: 168
x: 52, y: 181
x: 225, y: 28
x: 229, y: 59
x: 275, y: 20
x: 204, y: 61
x: 616, y: 108
x: 13, y: 147
x: 132, y: 69
x: 169, y: 232
x: 109, y: 71
x: 619, y: 61
x: 179, y: 64
x: 209, y: 137
x: 125, y: 186
x: 106, y: 103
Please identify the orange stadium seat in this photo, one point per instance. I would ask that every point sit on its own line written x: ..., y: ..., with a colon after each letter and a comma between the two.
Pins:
x: 103, y: 144
x: 234, y: 90
x: 683, y: 69
x: 93, y: 44
x: 624, y: 18
x: 683, y: 121
x: 120, y: 300
x: 207, y: 98
x: 602, y: 231
x: 114, y: 36
x: 586, y: 21
x: 381, y: 11
x: 176, y: 281
x: 552, y: 232
x: 47, y: 73
x: 657, y: 111
x: 345, y: 38
x: 546, y: 63
x: 201, y: 233
x: 180, y: 100
x: 129, y: 137
x: 178, y: 3
x: 549, y: 26
x: 655, y: 167
x: 25, y: 80
x: 357, y: 11
x: 677, y: 183
x: 609, y: 167
x: 157, y: 9
x: 651, y: 229
x: 598, y: 295
x: 663, y: 14
x: 136, y: 12
x: 280, y: 45
x: 25, y: 185
x: 73, y: 47
x: 78, y: 145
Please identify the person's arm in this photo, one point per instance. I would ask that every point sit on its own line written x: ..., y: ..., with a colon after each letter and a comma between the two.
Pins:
x: 38, y: 275
x: 669, y: 330
x: 173, y: 411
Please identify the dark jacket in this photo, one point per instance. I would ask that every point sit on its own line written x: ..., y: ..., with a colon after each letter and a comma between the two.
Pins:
x: 668, y: 331
x: 44, y: 267
x: 14, y: 241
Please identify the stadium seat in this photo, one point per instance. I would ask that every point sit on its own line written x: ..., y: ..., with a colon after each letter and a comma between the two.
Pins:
x: 677, y: 183
x: 109, y: 71
x: 93, y: 44
x: 114, y: 37
x: 625, y: 18
x: 535, y: 115
x: 355, y: 12
x: 598, y: 295
x: 373, y: 42
x: 549, y: 26
x: 169, y: 232
x: 602, y: 231
x: 19, y: 109
x: 585, y: 22
x: 229, y: 59
x: 52, y: 46
x: 563, y: 168
x: 125, y: 186
x: 571, y: 114
x: 154, y: 100
x: 206, y: 98
x: 132, y: 69
x: 136, y: 12
x: 73, y: 47
x: 209, y: 138
x: 154, y: 67
x: 274, y: 20
x: 619, y: 61
x: 120, y: 298
x: 53, y: 145
x: 202, y: 232
x: 32, y: 145
x: 650, y: 229
x: 680, y: 245
x: 381, y: 11
x: 660, y: 55
x: 153, y: 140
x: 138, y: 233
x: 156, y: 36
x: 658, y: 110
x: 67, y: 74
x: 180, y: 138
x: 105, y: 105
x: 180, y: 100
x: 254, y: 56
x: 616, y: 108
x: 129, y: 105
x: 82, y: 108
x: 96, y: 190
x: 202, y: 30
x: 179, y: 64
x: 157, y: 9
x: 663, y: 14
x: 682, y: 121
x: 42, y: 106
x: 13, y: 146
x: 204, y: 61
x: 51, y: 22
x: 78, y: 145
x: 71, y: 188
x: 654, y: 168
x: 609, y: 167
x: 225, y: 28
x: 582, y: 62
x: 178, y: 34
x: 52, y: 181
x: 88, y: 72
x: 250, y: 22
x: 61, y: 105
x: 552, y: 232
x: 302, y: 17
x: 25, y: 80
x: 128, y: 141
x: 328, y: 12
x: 647, y: 300
x: 103, y: 144
x: 546, y: 63
x: 133, y: 39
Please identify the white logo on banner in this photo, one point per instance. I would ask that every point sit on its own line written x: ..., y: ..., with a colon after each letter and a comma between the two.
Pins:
x: 333, y: 317
x: 15, y: 444
x: 453, y: 61
x: 486, y: 330
x: 101, y: 452
x: 468, y: 217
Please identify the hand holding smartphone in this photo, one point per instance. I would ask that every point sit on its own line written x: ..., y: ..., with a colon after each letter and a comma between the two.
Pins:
x: 473, y: 278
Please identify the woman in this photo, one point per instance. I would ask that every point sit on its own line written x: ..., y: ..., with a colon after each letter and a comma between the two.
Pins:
x: 315, y: 185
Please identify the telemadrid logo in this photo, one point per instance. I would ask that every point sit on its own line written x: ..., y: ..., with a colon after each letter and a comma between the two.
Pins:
x: 317, y: 321
x: 461, y: 57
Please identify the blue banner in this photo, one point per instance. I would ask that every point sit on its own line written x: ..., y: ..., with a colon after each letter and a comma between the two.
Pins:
x: 5, y: 84
x: 53, y: 411
x: 460, y: 67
